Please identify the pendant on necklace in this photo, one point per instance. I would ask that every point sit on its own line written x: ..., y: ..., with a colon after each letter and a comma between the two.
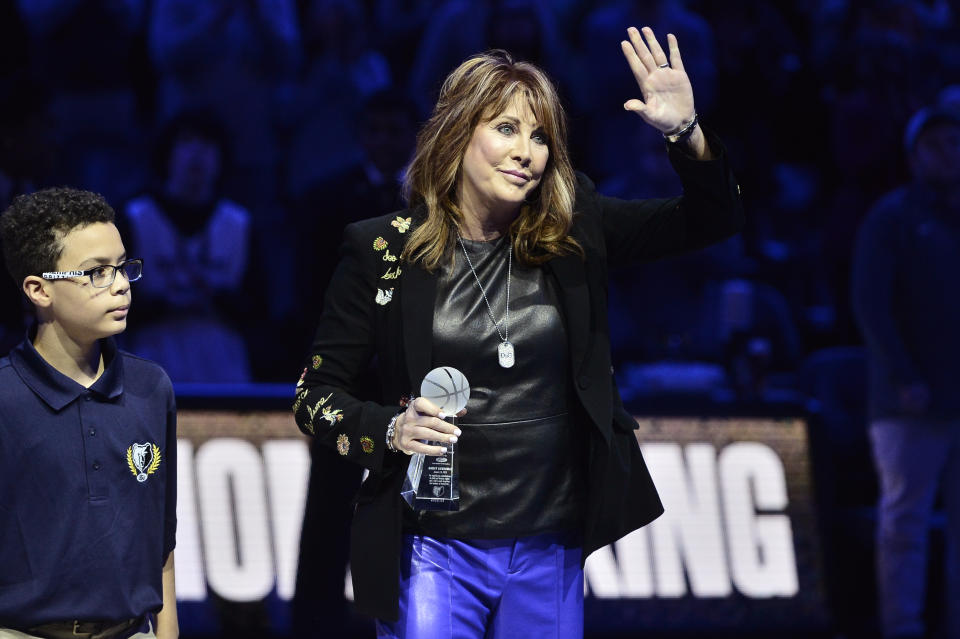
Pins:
x: 505, y: 354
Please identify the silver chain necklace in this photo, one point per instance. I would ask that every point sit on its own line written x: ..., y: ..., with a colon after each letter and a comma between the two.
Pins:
x: 505, y: 349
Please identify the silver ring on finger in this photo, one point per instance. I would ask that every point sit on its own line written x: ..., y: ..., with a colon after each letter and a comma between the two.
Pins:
x: 665, y: 65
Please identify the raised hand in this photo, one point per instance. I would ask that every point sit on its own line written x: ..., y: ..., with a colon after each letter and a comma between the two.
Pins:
x: 667, y: 103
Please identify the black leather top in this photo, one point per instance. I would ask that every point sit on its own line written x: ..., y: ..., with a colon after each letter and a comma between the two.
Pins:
x: 519, y: 454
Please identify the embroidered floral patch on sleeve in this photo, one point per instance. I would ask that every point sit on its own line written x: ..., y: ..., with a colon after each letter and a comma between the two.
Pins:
x: 343, y: 444
x: 366, y: 444
x: 402, y: 224
x: 332, y: 415
x: 329, y: 413
x: 316, y: 408
x: 379, y: 244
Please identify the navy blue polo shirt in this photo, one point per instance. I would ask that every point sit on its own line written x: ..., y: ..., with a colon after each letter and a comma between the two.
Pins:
x: 87, y: 489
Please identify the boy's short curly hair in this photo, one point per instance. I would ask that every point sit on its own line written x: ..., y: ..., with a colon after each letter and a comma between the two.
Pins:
x: 32, y: 228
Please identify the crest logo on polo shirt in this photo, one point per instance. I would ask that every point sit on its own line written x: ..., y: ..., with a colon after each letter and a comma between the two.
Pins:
x: 143, y: 459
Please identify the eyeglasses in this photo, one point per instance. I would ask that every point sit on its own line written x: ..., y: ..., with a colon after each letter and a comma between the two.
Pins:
x: 102, y: 276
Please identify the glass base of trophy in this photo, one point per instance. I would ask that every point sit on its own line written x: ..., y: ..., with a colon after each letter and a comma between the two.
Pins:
x: 432, y: 482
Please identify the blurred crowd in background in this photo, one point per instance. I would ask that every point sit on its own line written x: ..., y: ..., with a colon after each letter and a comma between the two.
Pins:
x: 236, y: 138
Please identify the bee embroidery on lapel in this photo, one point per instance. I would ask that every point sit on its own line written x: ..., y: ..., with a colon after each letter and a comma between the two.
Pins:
x: 384, y: 296
x: 402, y: 224
x: 343, y: 444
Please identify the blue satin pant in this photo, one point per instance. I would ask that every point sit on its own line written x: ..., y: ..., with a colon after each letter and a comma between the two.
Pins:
x: 488, y: 589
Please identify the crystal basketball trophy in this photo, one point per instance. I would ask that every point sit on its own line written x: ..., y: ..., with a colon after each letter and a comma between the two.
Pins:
x: 432, y: 482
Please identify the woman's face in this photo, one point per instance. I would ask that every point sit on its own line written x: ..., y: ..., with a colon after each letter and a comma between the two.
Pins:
x: 504, y: 161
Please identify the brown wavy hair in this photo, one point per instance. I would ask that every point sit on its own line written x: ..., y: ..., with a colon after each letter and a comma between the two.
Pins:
x: 481, y: 88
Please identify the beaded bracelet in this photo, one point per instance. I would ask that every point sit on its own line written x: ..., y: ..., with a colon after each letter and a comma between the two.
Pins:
x: 391, y: 430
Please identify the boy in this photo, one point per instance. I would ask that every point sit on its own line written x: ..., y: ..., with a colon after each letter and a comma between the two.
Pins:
x: 87, y: 438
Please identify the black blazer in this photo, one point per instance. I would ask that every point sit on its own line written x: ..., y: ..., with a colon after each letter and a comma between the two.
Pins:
x: 377, y: 308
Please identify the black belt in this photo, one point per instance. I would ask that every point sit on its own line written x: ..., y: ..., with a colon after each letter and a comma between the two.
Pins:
x: 86, y: 629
